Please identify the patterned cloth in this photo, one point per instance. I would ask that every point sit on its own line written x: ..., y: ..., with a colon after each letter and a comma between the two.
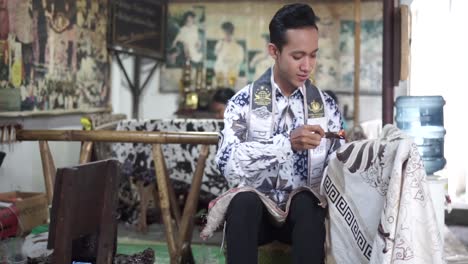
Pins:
x: 271, y: 167
x: 379, y: 203
x: 137, y: 158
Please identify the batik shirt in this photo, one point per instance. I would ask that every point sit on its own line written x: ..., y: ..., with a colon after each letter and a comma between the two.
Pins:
x: 242, y: 162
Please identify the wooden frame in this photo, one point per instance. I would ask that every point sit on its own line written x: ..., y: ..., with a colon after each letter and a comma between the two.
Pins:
x: 138, y: 27
x: 84, y: 206
x: 335, y: 69
x: 178, y: 238
x: 58, y: 62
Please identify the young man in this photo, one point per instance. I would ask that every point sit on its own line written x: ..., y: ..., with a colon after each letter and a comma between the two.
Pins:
x: 274, y: 145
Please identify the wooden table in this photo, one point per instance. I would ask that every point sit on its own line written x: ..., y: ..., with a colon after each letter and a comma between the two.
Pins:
x: 178, y: 237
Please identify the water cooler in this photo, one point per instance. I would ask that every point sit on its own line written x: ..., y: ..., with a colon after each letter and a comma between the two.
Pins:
x: 422, y: 118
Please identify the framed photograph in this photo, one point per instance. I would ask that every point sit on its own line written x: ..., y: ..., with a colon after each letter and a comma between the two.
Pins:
x: 139, y: 27
x: 230, y: 38
x: 53, y: 56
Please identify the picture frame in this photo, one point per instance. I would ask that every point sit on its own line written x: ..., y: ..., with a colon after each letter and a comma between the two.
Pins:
x: 53, y: 57
x: 250, y: 19
x: 138, y: 27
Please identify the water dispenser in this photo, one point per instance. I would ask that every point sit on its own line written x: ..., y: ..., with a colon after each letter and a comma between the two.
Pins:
x: 422, y: 118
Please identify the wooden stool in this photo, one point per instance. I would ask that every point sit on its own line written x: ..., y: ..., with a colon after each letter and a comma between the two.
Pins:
x: 84, y: 204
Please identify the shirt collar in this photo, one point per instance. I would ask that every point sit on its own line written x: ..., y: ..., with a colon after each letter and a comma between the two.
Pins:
x: 275, y: 86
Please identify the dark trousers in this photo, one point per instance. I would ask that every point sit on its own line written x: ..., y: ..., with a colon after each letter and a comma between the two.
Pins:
x: 248, y: 225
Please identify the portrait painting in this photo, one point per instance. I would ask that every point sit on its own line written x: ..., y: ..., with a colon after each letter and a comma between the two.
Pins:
x: 231, y: 39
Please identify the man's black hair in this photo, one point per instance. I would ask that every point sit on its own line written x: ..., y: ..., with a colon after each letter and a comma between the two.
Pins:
x: 223, y: 95
x: 292, y: 16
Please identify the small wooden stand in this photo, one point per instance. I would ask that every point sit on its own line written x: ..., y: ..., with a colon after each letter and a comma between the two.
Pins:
x: 84, y: 202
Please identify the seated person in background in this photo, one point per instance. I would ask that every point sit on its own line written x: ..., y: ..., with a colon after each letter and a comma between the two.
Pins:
x: 220, y: 100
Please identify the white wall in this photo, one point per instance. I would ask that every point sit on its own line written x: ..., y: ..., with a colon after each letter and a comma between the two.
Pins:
x: 22, y: 167
x: 153, y: 103
x: 439, y: 61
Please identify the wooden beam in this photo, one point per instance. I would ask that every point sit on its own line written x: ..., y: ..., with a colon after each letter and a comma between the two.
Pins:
x: 85, y: 152
x: 209, y: 138
x: 161, y: 179
x: 387, y: 62
x: 48, y: 169
x: 357, y: 58
x: 186, y: 227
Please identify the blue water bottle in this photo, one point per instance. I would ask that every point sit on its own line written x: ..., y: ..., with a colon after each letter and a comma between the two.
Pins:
x: 422, y: 117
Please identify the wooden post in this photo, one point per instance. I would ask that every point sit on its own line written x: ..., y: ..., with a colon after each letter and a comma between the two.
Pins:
x: 161, y: 179
x: 185, y: 230
x: 387, y: 62
x: 48, y: 169
x: 172, y: 197
x: 85, y: 153
x: 357, y: 58
x: 186, y: 256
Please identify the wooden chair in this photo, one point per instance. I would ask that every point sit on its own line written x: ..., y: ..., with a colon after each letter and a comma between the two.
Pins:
x: 83, y: 206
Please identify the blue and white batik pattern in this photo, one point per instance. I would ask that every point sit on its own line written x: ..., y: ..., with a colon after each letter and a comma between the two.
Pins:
x: 272, y: 167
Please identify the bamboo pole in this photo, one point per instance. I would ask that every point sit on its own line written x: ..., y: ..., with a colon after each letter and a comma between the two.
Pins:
x: 357, y: 58
x: 185, y: 230
x: 172, y: 197
x: 185, y: 256
x: 209, y: 138
x: 48, y: 169
x: 85, y: 153
x: 161, y: 179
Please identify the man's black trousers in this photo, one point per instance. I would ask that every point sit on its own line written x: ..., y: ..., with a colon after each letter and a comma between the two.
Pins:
x: 248, y: 225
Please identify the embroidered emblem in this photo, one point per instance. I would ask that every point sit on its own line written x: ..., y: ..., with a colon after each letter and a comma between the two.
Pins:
x: 315, y: 107
x: 262, y: 96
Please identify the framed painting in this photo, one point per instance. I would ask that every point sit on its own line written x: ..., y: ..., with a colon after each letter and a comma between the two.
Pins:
x: 138, y: 27
x: 53, y: 56
x: 230, y: 39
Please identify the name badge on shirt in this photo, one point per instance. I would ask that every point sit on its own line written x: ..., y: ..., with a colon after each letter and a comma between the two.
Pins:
x: 322, y: 122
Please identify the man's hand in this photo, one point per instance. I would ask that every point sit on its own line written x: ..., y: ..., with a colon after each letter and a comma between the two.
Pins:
x: 306, y: 137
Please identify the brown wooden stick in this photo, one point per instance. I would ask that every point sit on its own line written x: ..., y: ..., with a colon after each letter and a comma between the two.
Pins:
x: 185, y: 231
x: 186, y: 256
x: 85, y: 152
x: 161, y: 179
x: 357, y: 58
x: 172, y: 197
x: 120, y: 136
x: 48, y: 169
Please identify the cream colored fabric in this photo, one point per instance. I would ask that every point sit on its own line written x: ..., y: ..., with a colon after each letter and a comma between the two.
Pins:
x: 379, y: 203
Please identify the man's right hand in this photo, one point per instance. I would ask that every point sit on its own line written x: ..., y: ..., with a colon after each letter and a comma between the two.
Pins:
x: 306, y: 137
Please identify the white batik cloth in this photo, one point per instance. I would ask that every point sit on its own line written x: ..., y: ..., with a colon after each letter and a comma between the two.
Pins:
x: 379, y: 203
x: 380, y: 209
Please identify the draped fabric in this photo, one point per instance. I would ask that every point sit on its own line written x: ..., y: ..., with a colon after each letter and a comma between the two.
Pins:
x: 138, y: 165
x: 379, y: 203
x: 380, y: 208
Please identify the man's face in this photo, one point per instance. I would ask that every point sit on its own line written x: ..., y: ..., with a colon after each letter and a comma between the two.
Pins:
x: 295, y: 63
